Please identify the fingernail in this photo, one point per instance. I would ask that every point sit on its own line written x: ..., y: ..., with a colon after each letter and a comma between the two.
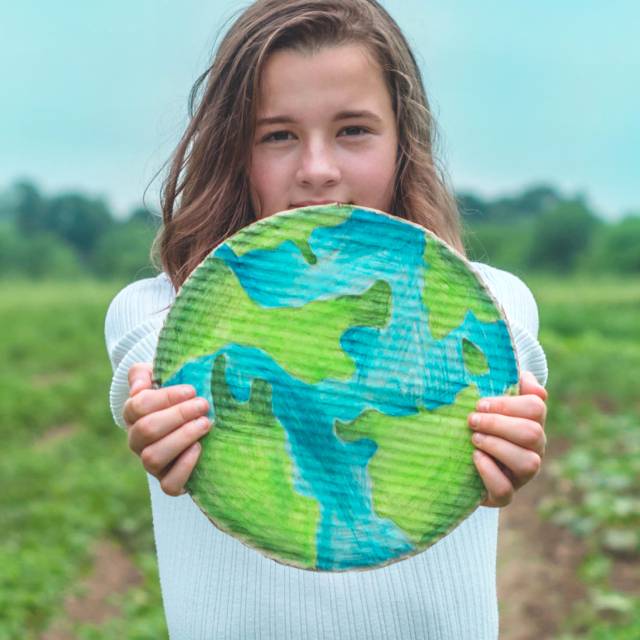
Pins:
x: 474, y: 420
x: 477, y: 455
x: 202, y: 404
x: 188, y: 392
x: 483, y: 405
x: 477, y: 438
x: 203, y: 423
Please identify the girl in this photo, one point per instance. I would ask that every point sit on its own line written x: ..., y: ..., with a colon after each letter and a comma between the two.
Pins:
x: 308, y: 102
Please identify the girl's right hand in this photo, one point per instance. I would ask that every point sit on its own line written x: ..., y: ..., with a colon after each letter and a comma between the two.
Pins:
x: 164, y: 426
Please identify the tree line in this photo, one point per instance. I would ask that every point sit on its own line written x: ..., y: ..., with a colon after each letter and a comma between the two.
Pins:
x: 72, y: 235
x: 542, y: 230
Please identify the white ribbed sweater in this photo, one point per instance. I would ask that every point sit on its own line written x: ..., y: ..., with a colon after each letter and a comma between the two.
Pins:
x: 215, y: 587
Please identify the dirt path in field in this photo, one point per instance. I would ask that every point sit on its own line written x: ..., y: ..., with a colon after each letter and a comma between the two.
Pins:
x: 537, y: 564
x: 52, y: 436
x: 113, y: 572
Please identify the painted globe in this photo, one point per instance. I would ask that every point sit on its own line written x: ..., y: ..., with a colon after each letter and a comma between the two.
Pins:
x: 341, y: 350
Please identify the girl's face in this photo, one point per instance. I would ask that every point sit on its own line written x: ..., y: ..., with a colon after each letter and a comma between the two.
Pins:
x: 325, y: 132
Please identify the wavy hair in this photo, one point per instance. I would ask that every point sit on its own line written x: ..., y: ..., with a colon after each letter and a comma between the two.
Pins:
x: 205, y: 196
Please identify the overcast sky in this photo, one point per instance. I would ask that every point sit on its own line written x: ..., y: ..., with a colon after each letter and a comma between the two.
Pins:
x: 94, y: 95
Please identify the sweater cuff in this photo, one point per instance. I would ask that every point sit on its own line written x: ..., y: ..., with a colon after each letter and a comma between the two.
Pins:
x: 529, y: 353
x: 137, y: 346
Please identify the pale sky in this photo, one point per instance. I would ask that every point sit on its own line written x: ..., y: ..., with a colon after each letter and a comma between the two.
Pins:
x: 94, y: 95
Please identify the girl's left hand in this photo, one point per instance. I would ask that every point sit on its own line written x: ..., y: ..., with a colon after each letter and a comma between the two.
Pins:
x: 510, y: 440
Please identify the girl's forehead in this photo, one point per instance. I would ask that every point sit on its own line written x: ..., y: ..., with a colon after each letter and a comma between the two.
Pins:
x: 325, y: 78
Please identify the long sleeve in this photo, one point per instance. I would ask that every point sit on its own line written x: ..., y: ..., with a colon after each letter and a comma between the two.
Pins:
x: 132, y: 326
x: 521, y: 311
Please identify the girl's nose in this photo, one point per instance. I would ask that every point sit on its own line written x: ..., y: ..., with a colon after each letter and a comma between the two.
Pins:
x: 318, y: 167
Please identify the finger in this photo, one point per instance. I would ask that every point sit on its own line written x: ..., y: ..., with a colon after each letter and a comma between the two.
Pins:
x: 522, y: 464
x: 158, y: 455
x: 530, y: 407
x: 156, y: 426
x: 499, y: 488
x: 140, y: 377
x: 529, y: 385
x: 525, y: 433
x: 150, y: 400
x: 173, y: 481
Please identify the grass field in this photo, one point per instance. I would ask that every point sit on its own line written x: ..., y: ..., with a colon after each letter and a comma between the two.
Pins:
x: 69, y: 482
x: 591, y: 333
x: 72, y: 490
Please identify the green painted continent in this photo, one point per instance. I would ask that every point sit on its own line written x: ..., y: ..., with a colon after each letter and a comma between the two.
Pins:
x: 288, y: 335
x: 244, y: 479
x: 422, y: 473
x: 452, y: 289
x: 281, y: 230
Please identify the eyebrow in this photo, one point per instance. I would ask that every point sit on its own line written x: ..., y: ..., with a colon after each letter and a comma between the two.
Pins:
x: 341, y: 115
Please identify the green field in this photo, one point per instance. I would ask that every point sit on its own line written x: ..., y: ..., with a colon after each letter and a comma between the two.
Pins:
x: 68, y: 478
x: 69, y: 481
x: 591, y: 333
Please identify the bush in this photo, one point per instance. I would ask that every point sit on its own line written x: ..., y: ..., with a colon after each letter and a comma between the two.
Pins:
x: 617, y: 248
x: 561, y: 235
x: 40, y: 256
x: 123, y: 251
x: 505, y: 246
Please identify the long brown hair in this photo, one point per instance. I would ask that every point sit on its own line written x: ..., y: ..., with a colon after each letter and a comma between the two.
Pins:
x: 206, y: 197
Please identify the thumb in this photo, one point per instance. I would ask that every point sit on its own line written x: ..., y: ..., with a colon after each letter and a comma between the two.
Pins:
x: 530, y: 385
x: 140, y: 377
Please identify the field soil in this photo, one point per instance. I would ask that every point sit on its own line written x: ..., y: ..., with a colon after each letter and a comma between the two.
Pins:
x: 537, y: 563
x: 113, y: 572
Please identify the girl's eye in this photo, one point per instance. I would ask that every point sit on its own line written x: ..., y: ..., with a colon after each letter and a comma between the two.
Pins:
x: 354, y: 131
x: 278, y: 136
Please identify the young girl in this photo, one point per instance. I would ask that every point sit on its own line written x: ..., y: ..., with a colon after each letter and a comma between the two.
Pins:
x: 308, y: 102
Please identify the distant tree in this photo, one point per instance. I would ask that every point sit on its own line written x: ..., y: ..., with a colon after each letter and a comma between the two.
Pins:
x: 144, y: 215
x: 75, y: 218
x: 561, y: 235
x: 509, y: 209
x: 8, y: 202
x: 617, y: 247
x: 472, y: 208
x: 505, y: 246
x: 40, y: 255
x: 30, y: 208
x: 123, y: 251
x: 537, y: 199
x: 78, y: 220
x: 11, y: 246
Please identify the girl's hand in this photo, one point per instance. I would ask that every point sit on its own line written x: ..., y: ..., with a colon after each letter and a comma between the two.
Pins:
x: 510, y: 440
x: 164, y: 426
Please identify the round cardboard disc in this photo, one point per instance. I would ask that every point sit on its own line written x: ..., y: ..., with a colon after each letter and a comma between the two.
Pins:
x: 341, y: 350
